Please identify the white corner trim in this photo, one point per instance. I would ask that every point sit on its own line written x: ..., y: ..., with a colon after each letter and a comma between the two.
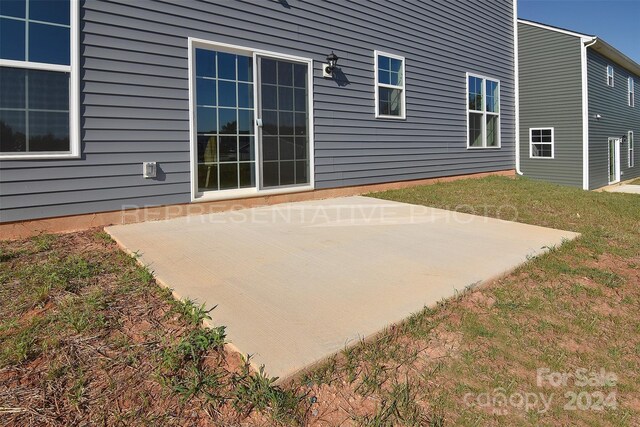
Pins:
x: 516, y: 83
x: 584, y: 43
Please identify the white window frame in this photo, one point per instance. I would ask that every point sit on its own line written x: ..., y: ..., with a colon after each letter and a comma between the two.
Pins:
x: 552, y: 143
x: 631, y: 161
x: 610, y: 74
x: 403, y: 115
x: 74, y: 91
x: 196, y: 196
x: 631, y: 88
x: 484, y: 112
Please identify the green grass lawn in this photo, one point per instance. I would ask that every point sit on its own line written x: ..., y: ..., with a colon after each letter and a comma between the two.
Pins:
x: 576, y: 307
x: 88, y: 337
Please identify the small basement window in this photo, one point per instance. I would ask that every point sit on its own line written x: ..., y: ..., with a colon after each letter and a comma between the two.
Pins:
x: 390, y: 86
x: 631, y: 89
x: 541, y: 143
x: 609, y: 75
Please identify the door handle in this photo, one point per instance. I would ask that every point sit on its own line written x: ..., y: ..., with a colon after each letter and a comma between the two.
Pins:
x: 259, y: 122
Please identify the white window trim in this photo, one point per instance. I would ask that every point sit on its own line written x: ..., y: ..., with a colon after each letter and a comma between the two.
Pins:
x: 631, y: 150
x: 612, y: 75
x: 241, y: 193
x: 616, y: 156
x: 484, y: 112
x: 553, y: 144
x: 631, y: 89
x: 402, y: 116
x: 74, y: 91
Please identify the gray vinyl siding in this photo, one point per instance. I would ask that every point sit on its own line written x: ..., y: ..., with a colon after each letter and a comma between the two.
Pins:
x: 134, y: 95
x: 617, y: 119
x: 551, y: 96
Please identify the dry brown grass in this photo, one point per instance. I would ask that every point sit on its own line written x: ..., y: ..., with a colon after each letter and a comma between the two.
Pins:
x: 576, y: 307
x: 88, y: 338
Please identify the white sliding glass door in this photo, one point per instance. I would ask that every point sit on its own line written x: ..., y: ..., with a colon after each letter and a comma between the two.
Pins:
x: 251, y: 122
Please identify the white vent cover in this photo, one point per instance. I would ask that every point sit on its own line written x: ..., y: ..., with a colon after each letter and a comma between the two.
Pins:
x: 149, y: 169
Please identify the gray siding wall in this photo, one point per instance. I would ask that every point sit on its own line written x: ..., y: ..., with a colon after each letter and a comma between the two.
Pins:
x: 551, y: 96
x: 617, y: 119
x: 134, y: 95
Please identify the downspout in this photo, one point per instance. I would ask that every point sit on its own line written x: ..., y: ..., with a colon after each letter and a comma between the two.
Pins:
x: 584, y: 44
x: 516, y: 85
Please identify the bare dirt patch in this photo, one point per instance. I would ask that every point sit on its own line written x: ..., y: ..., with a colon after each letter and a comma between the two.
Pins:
x: 88, y: 338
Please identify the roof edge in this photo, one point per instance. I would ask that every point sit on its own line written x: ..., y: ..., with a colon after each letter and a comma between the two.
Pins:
x: 556, y: 29
x: 596, y: 43
x: 610, y: 52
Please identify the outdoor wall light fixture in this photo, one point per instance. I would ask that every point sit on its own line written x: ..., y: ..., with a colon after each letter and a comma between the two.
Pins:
x: 330, y: 66
x: 598, y: 116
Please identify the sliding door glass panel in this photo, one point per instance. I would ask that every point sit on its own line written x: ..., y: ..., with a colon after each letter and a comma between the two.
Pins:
x: 284, y: 110
x: 224, y: 121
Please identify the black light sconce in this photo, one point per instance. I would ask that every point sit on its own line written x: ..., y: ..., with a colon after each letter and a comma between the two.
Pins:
x: 330, y: 66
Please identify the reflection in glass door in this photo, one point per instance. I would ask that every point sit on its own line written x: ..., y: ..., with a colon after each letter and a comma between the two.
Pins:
x: 224, y: 120
x: 284, y: 110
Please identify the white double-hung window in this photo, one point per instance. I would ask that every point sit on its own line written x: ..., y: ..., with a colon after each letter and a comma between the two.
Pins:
x: 483, y: 112
x: 631, y: 150
x: 609, y: 75
x: 631, y: 89
x: 390, y: 86
x: 541, y: 143
x: 39, y: 79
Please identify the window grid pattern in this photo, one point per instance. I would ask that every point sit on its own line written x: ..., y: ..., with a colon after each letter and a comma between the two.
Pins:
x: 284, y: 111
x: 631, y: 150
x: 35, y: 95
x: 631, y: 89
x: 541, y: 143
x: 39, y: 31
x: 224, y: 121
x: 483, y: 112
x: 390, y: 86
x: 610, y: 76
x: 34, y: 111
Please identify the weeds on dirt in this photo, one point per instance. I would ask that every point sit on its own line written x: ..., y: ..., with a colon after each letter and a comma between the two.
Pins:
x: 84, y: 322
x: 192, y: 312
x: 574, y: 307
x: 257, y: 391
x: 87, y: 336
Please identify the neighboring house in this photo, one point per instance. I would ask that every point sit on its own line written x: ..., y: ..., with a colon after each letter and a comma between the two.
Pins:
x: 579, y: 119
x: 230, y: 100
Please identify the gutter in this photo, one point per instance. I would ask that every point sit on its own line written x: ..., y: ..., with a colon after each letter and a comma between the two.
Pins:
x: 516, y: 88
x: 584, y: 44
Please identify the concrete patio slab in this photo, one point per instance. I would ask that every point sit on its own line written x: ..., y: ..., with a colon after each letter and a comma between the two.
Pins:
x: 297, y: 282
x: 624, y: 188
